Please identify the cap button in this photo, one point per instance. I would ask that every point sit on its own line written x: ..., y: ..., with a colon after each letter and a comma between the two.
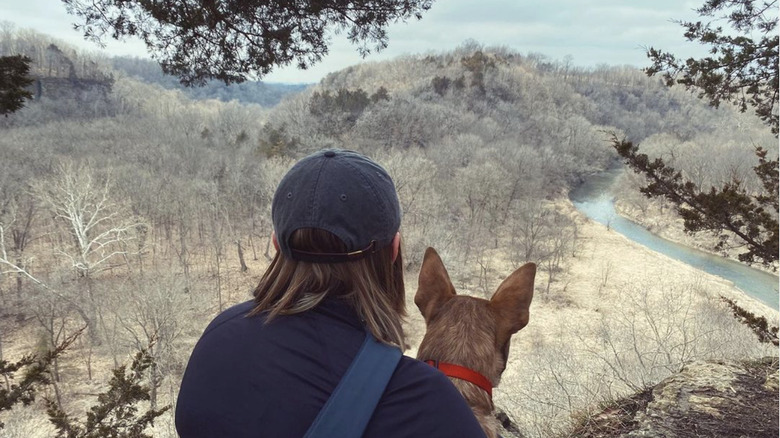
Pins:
x: 330, y: 154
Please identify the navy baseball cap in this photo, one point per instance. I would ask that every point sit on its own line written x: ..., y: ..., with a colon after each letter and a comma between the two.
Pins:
x: 342, y: 192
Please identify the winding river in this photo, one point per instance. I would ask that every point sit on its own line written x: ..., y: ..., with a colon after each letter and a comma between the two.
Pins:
x: 594, y: 198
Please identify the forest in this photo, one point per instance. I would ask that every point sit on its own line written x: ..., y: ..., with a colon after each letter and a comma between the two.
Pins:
x: 139, y: 210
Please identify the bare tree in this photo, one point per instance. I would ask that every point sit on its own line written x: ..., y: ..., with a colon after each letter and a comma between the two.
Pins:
x: 17, y: 216
x: 94, y: 222
x: 98, y: 230
x: 529, y: 229
x: 152, y: 316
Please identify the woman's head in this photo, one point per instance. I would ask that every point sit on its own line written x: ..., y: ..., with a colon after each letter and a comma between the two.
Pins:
x: 338, y: 191
x: 336, y: 218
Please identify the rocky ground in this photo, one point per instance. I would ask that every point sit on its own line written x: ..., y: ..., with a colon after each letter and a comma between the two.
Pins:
x: 705, y: 399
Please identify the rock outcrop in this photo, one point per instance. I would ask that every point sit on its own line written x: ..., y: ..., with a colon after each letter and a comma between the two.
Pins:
x: 705, y: 399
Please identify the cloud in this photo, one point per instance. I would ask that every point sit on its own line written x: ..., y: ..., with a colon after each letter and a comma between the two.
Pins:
x: 593, y: 32
x: 49, y: 17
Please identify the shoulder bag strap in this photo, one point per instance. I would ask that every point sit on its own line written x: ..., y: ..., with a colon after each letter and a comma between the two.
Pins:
x: 352, y: 403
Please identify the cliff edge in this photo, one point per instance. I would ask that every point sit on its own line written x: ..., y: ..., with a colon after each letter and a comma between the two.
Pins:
x: 705, y: 399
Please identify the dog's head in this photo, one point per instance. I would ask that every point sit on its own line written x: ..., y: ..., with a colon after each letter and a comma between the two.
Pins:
x: 471, y: 332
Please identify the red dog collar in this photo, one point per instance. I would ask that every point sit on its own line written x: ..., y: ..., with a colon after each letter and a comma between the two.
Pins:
x: 463, y: 373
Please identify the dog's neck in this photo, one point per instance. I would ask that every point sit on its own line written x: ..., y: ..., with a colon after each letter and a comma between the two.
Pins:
x: 463, y: 373
x: 476, y: 389
x: 481, y: 404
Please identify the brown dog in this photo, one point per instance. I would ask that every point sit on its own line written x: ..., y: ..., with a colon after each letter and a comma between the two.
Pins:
x: 468, y: 337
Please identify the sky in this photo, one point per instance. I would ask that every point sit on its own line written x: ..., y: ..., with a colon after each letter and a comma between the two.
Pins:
x: 591, y: 32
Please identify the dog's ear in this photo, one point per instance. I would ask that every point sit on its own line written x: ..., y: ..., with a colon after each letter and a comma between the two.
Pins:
x: 434, y: 286
x: 511, y: 302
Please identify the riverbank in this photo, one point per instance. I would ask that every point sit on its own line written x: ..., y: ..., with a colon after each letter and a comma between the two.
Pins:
x: 596, y: 198
x: 666, y: 224
x: 612, y: 258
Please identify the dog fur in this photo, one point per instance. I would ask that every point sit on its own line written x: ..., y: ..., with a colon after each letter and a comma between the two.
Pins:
x: 472, y: 332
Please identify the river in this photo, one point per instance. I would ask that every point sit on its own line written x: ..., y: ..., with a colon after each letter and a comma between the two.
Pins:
x: 595, y: 200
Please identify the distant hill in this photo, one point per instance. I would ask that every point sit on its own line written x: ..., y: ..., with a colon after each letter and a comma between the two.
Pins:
x: 66, y: 83
x: 70, y: 84
x: 261, y: 93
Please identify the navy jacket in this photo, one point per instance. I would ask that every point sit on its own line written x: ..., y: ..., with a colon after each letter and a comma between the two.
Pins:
x: 250, y: 379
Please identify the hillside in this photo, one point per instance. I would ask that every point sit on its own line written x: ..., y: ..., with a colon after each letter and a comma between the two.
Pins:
x: 257, y: 92
x: 483, y: 144
x: 519, y: 127
x: 72, y: 84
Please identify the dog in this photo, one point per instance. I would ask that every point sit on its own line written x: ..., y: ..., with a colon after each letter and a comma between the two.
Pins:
x: 468, y: 338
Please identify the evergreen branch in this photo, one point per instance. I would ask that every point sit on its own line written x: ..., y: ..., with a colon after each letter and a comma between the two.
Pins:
x: 728, y: 208
x: 36, y: 374
x: 116, y: 413
x: 766, y: 333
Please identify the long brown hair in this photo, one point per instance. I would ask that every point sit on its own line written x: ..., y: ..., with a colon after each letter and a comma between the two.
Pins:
x: 373, y: 285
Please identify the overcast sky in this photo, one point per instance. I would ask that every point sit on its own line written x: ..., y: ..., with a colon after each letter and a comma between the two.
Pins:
x: 591, y: 31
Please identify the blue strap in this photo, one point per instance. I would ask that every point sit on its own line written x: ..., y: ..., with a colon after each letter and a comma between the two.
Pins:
x: 352, y: 403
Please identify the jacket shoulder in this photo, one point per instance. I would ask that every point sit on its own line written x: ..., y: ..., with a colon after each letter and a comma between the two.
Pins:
x: 421, y: 401
x: 237, y: 311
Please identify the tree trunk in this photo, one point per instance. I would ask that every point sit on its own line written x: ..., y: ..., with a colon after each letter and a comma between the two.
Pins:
x: 88, y: 361
x: 4, y: 298
x: 19, y: 279
x: 252, y: 244
x: 91, y: 326
x: 241, y: 256
x: 219, y: 282
x: 57, y: 394
x: 153, y: 384
x: 184, y: 257
x: 268, y: 250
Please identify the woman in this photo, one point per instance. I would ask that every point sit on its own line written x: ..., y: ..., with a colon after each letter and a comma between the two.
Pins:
x: 266, y: 367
